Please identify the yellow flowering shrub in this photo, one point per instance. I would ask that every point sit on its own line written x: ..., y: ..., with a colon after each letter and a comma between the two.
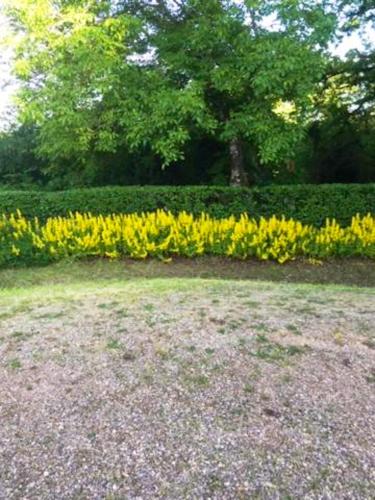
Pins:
x: 162, y: 234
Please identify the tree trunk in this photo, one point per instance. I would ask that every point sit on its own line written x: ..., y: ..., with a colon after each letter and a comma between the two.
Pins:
x: 238, y: 175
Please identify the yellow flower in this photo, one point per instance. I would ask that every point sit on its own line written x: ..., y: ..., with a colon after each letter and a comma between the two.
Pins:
x: 163, y: 234
x: 15, y: 251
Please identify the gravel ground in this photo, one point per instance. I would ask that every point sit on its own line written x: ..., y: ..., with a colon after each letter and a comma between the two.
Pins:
x: 187, y: 389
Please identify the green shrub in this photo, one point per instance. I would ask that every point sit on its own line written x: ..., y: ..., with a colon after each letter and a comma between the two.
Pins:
x: 307, y: 203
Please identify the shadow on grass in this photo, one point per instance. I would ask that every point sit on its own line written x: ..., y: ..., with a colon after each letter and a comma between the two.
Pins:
x: 357, y: 272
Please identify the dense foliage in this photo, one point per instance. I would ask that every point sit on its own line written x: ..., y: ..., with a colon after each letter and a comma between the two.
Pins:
x: 162, y: 234
x: 307, y: 203
x: 338, y: 149
x: 99, y: 76
x: 240, y: 91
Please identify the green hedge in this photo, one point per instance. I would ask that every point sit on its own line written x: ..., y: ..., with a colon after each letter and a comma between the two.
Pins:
x: 307, y: 203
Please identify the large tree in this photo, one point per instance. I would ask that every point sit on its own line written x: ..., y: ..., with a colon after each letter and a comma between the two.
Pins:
x: 341, y: 138
x: 98, y: 75
x: 357, y: 70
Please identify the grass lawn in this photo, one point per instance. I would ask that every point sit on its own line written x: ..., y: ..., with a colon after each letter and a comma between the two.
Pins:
x: 358, y: 272
x: 193, y: 384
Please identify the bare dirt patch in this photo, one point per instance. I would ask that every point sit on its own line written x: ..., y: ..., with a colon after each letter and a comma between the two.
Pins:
x: 187, y: 389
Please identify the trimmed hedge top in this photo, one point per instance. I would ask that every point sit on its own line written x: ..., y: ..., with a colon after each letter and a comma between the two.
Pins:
x: 310, y: 204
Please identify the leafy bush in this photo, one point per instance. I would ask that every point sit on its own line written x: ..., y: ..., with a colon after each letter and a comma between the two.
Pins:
x: 162, y: 234
x: 310, y: 204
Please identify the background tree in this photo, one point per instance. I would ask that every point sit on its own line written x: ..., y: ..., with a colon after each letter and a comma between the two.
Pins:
x: 341, y: 138
x: 19, y: 165
x: 357, y: 70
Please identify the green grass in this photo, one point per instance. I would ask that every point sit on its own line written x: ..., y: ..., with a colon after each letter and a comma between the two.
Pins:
x: 273, y: 351
x: 66, y: 284
x: 370, y: 378
x: 15, y: 364
x: 23, y: 298
x: 266, y: 355
x: 114, y: 344
x: 355, y: 272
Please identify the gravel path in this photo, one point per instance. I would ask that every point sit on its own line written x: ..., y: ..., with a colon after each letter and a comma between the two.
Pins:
x: 188, y: 389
